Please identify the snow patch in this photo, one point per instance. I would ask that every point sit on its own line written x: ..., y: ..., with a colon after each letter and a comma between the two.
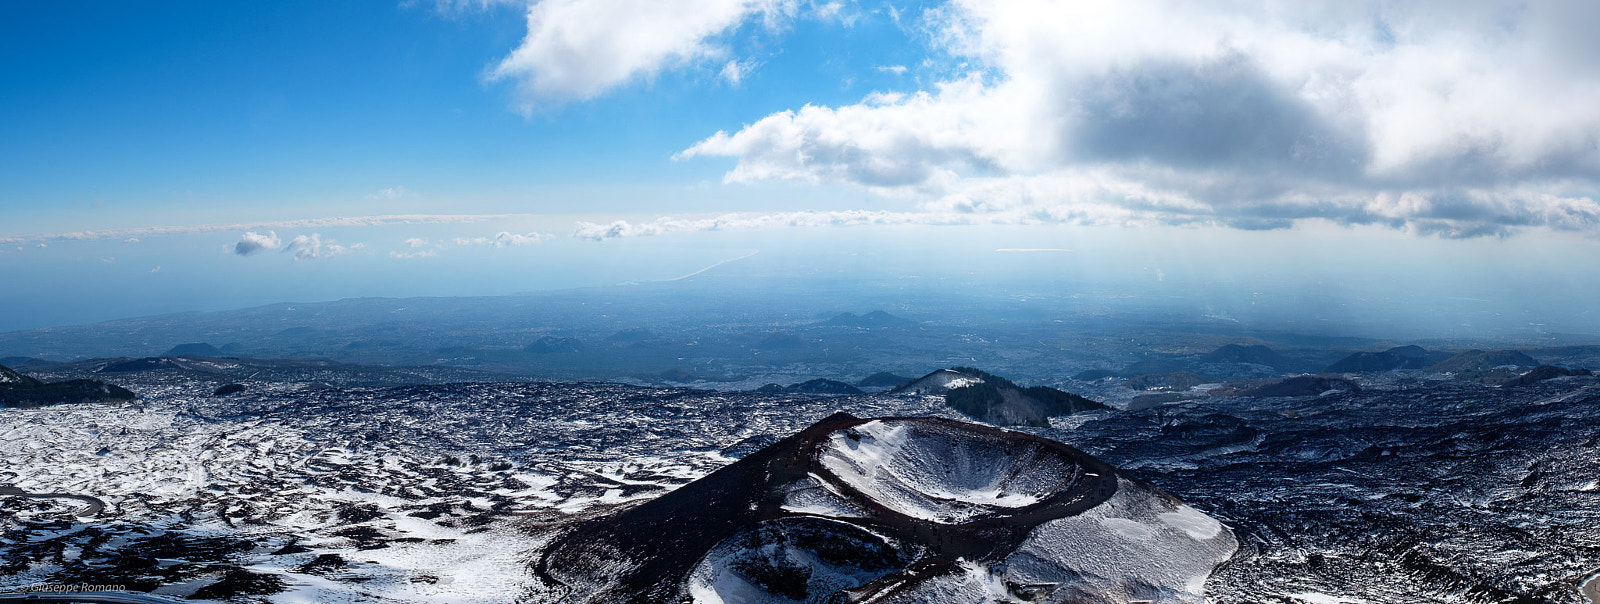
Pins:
x: 945, y: 475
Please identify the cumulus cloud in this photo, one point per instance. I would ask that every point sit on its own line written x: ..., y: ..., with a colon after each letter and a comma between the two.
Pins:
x: 578, y: 49
x: 252, y: 242
x: 1449, y: 118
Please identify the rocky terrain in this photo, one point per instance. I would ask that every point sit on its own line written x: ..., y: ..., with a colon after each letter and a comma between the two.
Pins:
x: 18, y: 390
x: 1414, y: 487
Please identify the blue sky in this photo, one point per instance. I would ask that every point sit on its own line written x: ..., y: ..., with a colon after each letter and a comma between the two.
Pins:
x: 205, y: 155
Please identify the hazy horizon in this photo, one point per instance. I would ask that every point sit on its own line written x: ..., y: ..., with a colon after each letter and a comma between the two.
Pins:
x: 1430, y: 167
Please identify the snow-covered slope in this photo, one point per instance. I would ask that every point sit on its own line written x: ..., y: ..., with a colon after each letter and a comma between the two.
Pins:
x: 938, y: 382
x: 896, y: 510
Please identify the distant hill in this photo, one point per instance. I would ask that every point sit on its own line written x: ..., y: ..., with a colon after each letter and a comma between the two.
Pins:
x: 997, y: 400
x: 1393, y: 359
x: 816, y: 386
x: 17, y: 390
x: 1480, y: 360
x: 1542, y: 373
x: 28, y: 363
x: 11, y: 378
x: 876, y: 318
x: 938, y: 382
x: 1155, y: 366
x: 883, y: 379
x: 196, y: 349
x: 554, y: 345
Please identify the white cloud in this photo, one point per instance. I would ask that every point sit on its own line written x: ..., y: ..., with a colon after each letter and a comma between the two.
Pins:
x: 252, y: 242
x: 1459, y: 119
x: 894, y: 69
x: 416, y: 242
x: 310, y: 247
x: 578, y: 49
x: 733, y: 72
x: 502, y: 239
x: 505, y: 239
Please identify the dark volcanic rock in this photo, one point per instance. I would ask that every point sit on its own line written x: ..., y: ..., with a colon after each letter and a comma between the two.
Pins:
x: 894, y: 510
x: 1300, y: 385
x: 241, y: 582
x: 1542, y: 373
x: 195, y: 349
x: 1179, y: 380
x: 12, y: 379
x: 17, y: 390
x: 228, y: 389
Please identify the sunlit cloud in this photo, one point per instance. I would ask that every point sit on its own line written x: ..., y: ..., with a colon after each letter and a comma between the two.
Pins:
x: 579, y: 49
x: 1459, y: 120
x: 311, y: 247
x: 252, y: 242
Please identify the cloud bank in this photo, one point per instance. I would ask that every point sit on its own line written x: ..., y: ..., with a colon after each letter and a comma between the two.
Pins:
x: 1453, y: 118
x: 310, y: 223
x: 745, y: 221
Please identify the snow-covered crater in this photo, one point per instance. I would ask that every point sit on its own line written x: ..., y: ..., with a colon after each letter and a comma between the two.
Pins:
x: 943, y: 472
